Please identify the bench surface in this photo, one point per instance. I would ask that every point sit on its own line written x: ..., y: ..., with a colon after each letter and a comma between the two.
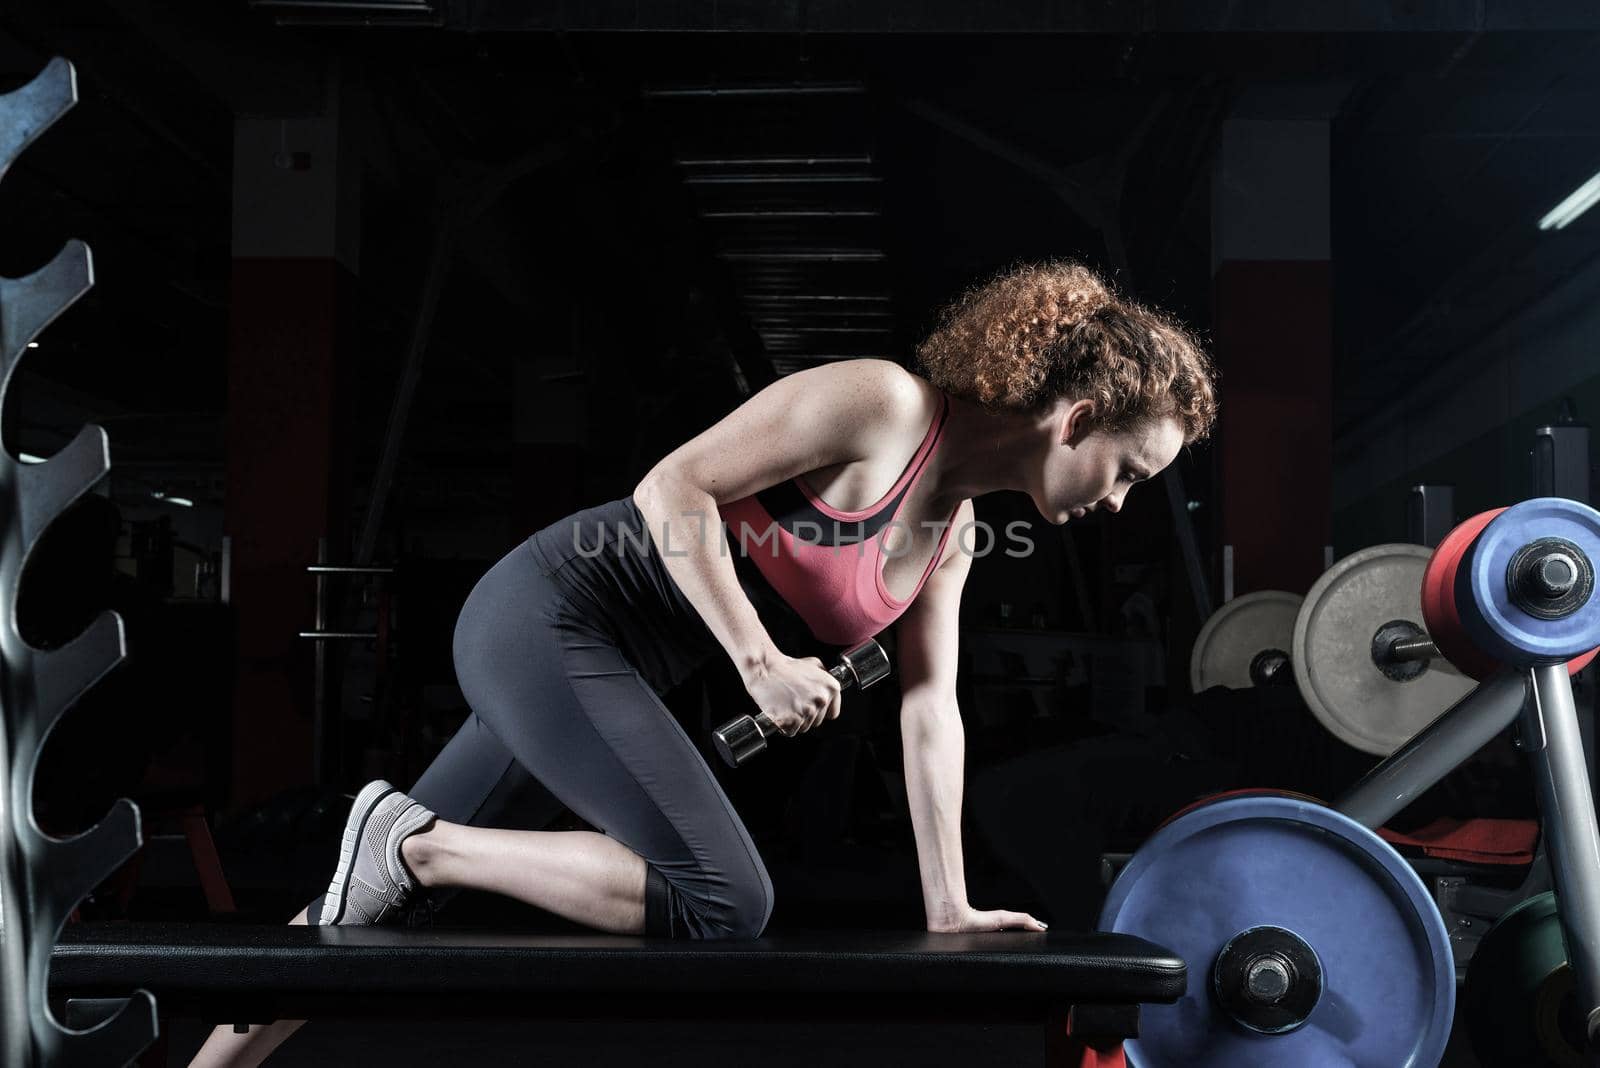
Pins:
x: 208, y: 962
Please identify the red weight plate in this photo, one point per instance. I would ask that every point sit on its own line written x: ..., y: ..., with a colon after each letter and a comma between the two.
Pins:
x: 1246, y: 791
x: 1439, y: 613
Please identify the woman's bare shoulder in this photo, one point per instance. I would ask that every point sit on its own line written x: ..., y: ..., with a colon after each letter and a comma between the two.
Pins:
x: 824, y: 416
x: 883, y: 376
x: 904, y: 400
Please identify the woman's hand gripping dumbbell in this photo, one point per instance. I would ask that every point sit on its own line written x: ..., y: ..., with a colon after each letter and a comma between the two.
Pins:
x: 798, y: 699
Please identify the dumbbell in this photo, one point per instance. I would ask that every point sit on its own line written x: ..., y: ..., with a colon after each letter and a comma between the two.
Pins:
x: 740, y: 739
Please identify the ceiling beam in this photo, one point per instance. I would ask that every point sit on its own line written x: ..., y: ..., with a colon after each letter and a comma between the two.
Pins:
x: 1024, y: 16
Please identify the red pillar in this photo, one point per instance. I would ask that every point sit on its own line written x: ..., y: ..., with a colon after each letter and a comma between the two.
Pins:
x: 288, y: 485
x: 289, y: 359
x: 1272, y: 289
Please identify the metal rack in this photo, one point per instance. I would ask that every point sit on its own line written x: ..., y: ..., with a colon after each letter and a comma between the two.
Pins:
x: 43, y: 878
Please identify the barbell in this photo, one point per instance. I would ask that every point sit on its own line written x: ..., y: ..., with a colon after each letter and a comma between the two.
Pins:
x: 1309, y: 939
x: 1392, y: 635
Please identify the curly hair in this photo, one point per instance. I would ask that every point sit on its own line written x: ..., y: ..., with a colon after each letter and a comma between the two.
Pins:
x: 1042, y: 331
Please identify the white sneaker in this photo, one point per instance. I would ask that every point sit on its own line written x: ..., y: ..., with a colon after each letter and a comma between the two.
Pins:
x: 372, y: 883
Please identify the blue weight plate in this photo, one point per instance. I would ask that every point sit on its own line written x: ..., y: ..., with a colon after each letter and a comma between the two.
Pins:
x: 1483, y: 600
x: 1239, y: 863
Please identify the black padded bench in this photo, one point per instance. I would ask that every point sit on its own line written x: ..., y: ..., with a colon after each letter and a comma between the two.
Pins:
x: 1088, y: 984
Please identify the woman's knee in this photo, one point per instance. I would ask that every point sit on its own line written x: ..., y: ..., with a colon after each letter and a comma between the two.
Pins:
x: 748, y: 906
x: 738, y: 907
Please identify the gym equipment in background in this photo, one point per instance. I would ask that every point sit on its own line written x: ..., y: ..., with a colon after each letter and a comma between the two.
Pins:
x: 1361, y: 656
x: 1284, y: 987
x: 1519, y: 998
x: 43, y: 878
x: 1377, y: 647
x: 1246, y: 642
x: 1282, y: 908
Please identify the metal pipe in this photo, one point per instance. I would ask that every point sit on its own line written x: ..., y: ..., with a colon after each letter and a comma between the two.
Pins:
x: 319, y: 668
x: 746, y: 91
x: 801, y: 322
x: 440, y: 258
x: 409, y: 6
x: 403, y: 19
x: 1188, y: 544
x: 16, y: 1045
x: 782, y: 179
x: 1570, y: 831
x: 771, y: 161
x: 1413, y: 649
x: 806, y: 331
x: 1436, y: 750
x: 832, y: 311
x: 787, y: 213
x: 809, y: 298
x: 225, y: 589
x: 809, y: 256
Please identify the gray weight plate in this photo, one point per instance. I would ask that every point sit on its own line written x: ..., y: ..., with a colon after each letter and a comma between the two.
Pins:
x: 1236, y: 632
x: 1332, y: 651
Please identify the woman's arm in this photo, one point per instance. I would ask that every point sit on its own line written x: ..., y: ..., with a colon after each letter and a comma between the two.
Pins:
x: 825, y: 415
x: 685, y: 529
x: 930, y: 729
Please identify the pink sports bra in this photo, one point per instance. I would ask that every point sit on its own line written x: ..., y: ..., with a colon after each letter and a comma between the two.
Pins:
x: 825, y: 563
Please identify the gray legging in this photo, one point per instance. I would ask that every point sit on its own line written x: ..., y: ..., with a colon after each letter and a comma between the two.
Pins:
x: 561, y: 656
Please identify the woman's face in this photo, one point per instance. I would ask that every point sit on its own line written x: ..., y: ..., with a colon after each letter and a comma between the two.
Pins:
x: 1090, y: 470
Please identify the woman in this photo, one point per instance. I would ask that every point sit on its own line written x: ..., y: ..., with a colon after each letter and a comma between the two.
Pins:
x: 1042, y: 380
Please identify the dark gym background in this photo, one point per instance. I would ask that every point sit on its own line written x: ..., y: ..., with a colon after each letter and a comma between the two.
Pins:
x: 408, y: 280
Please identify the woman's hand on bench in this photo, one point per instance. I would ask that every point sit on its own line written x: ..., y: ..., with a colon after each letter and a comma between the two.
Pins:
x: 971, y: 919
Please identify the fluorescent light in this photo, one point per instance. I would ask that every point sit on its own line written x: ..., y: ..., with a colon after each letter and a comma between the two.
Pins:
x: 33, y: 344
x: 182, y: 502
x: 1578, y: 201
x: 30, y: 458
